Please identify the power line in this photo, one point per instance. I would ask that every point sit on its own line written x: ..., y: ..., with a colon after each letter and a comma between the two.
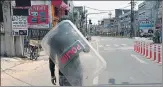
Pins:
x: 97, y: 9
x: 106, y: 10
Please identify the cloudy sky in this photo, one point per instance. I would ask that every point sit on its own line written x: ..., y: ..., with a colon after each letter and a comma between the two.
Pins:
x: 103, y: 5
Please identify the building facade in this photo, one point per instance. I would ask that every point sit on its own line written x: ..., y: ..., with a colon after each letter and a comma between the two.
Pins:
x: 159, y: 22
x: 147, y: 15
x: 125, y: 22
x: 117, y: 26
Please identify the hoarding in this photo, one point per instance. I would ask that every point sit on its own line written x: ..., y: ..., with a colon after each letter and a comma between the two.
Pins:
x: 38, y: 16
x: 19, y: 25
x: 145, y: 25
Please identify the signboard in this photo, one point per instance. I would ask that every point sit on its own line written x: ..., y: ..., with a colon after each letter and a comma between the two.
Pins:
x: 19, y: 25
x: 145, y: 25
x: 38, y: 16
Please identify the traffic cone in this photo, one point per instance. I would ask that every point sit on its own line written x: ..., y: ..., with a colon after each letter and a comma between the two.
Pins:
x: 159, y: 54
x: 154, y: 52
x: 144, y: 49
x: 141, y: 48
x: 150, y: 51
x: 147, y: 50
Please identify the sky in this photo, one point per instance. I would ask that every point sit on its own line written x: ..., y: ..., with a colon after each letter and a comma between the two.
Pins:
x: 103, y: 5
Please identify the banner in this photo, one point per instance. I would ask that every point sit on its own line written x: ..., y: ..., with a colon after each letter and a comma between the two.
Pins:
x: 38, y: 16
x: 19, y: 25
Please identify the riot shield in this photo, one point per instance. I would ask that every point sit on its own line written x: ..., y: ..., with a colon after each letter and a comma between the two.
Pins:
x: 73, y: 54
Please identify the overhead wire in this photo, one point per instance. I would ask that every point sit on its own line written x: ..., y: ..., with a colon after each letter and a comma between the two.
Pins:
x: 105, y: 10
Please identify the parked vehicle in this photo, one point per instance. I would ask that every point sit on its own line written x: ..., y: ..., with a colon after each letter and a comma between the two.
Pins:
x: 33, y: 52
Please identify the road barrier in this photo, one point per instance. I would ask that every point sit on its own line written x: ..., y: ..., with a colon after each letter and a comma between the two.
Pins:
x: 149, y: 50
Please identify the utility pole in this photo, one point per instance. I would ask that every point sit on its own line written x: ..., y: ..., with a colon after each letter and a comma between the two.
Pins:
x: 156, y: 14
x: 9, y: 48
x: 14, y: 45
x: 110, y: 14
x: 162, y: 20
x: 132, y: 19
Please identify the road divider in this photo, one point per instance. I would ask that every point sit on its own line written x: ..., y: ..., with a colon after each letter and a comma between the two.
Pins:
x: 149, y: 50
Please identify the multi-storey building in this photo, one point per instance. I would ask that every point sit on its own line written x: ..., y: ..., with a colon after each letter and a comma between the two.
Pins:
x: 125, y: 22
x: 147, y: 15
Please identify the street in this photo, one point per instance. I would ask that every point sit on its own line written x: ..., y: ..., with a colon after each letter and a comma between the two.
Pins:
x: 124, y: 66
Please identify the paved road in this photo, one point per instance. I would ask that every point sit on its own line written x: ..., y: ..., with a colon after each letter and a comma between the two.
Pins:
x: 124, y: 66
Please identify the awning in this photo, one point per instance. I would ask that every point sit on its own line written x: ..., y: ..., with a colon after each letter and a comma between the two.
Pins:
x: 56, y: 3
x: 60, y: 4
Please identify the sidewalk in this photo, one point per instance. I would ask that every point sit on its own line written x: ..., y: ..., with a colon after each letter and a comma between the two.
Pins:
x: 24, y: 72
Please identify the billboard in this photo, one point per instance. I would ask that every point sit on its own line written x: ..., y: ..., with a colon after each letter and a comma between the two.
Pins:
x: 145, y: 25
x: 19, y: 25
x: 38, y: 16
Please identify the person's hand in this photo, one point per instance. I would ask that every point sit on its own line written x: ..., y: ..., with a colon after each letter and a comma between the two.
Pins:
x: 53, y: 80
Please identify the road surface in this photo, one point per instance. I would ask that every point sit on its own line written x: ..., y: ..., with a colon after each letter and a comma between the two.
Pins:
x: 124, y: 66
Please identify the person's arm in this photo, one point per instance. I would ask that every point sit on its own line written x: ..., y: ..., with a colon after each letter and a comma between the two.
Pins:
x: 52, y: 67
x: 52, y: 71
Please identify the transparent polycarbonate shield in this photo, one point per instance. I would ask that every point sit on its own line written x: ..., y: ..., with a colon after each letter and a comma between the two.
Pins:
x: 73, y: 54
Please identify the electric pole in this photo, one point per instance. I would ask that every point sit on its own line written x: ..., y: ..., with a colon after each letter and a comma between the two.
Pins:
x: 110, y: 14
x: 132, y: 19
x: 9, y: 48
x: 162, y: 20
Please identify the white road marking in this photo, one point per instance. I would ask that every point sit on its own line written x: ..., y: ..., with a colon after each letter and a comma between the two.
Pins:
x: 126, y: 48
x: 95, y: 80
x: 100, y: 46
x: 97, y: 47
x: 116, y: 45
x: 141, y: 61
x: 123, y: 44
x: 106, y: 49
x: 131, y: 78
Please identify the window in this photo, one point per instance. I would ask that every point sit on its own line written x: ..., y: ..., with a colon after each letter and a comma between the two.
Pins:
x: 20, y: 12
x: 23, y: 2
